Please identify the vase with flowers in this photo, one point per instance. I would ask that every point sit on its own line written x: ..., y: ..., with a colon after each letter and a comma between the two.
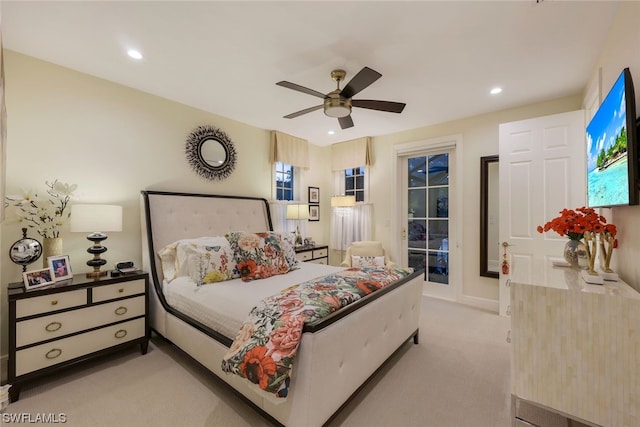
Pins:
x: 574, y: 224
x: 46, y: 215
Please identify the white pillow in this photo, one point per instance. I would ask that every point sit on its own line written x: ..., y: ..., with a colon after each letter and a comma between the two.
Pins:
x: 204, y: 259
x: 367, y: 261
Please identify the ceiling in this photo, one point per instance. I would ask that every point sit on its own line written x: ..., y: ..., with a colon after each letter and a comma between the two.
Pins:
x: 440, y: 58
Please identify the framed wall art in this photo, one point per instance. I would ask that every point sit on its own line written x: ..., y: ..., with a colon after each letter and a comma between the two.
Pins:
x: 314, y: 213
x: 314, y: 195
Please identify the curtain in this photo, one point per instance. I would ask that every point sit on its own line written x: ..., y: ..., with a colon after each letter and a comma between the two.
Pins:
x: 351, y: 154
x: 279, y: 219
x: 350, y: 225
x: 289, y: 149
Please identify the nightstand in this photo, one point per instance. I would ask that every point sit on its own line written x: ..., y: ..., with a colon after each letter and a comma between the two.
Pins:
x: 316, y: 254
x: 73, y: 321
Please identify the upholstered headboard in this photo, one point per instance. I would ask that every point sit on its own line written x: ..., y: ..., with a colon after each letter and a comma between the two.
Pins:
x: 167, y: 217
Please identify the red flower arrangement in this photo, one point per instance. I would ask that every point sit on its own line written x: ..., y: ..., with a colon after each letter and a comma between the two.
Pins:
x: 574, y: 223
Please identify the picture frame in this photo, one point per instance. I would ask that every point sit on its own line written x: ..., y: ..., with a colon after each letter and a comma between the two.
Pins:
x: 314, y: 195
x: 38, y: 278
x: 61, y: 267
x: 314, y: 212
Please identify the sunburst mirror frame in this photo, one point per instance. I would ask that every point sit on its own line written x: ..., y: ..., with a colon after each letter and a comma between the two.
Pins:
x: 200, y: 165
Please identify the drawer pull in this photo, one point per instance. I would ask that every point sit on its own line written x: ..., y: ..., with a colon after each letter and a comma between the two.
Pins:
x: 121, y: 310
x: 54, y: 302
x: 509, y: 310
x: 508, y: 283
x: 121, y: 333
x: 508, y: 336
x: 121, y: 290
x: 53, y: 353
x: 53, y: 326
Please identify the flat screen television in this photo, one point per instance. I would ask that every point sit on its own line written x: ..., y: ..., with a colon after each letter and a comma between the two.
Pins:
x: 612, y: 148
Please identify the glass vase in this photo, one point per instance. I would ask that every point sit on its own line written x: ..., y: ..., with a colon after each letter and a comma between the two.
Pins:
x: 575, y: 253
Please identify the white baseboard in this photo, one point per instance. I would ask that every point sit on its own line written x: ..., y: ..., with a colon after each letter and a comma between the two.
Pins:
x: 483, y: 303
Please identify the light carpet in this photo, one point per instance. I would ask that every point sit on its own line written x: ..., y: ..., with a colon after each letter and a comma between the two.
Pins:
x: 457, y: 376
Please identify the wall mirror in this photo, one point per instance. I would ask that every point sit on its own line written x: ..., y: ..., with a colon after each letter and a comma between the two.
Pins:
x: 489, y: 220
x: 210, y: 152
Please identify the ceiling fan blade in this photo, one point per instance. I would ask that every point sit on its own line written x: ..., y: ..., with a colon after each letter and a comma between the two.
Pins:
x: 305, y: 111
x: 345, y: 122
x: 301, y: 89
x: 364, y: 78
x: 388, y: 106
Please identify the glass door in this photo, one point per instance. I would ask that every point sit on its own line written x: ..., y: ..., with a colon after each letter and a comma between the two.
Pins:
x: 428, y: 217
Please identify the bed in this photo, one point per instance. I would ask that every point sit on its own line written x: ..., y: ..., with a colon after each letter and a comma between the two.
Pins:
x: 337, y: 354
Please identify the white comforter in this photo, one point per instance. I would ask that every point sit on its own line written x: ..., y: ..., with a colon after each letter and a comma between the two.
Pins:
x: 223, y: 306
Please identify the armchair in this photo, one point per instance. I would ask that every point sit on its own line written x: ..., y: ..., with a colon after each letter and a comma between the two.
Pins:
x: 368, y: 248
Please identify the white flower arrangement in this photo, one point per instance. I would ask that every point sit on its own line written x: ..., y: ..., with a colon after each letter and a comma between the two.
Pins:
x: 46, y: 216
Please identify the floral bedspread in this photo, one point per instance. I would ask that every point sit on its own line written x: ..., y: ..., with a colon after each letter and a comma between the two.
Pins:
x: 266, y: 345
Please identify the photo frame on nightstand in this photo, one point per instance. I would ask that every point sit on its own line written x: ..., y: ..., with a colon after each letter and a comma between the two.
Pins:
x: 61, y: 267
x: 38, y: 278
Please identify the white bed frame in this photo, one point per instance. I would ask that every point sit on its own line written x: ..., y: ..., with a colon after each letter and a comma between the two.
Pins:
x: 337, y: 355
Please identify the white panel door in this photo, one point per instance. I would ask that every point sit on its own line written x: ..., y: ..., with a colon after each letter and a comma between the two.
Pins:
x: 541, y: 172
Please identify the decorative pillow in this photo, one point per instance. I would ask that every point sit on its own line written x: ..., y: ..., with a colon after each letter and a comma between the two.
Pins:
x: 259, y: 255
x: 288, y: 245
x: 205, y: 260
x: 208, y: 262
x: 367, y: 261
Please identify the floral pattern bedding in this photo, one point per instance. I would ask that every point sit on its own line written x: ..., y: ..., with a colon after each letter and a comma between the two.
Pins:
x: 266, y: 345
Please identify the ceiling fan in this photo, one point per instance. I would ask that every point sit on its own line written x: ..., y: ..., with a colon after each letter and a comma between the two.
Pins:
x: 338, y: 103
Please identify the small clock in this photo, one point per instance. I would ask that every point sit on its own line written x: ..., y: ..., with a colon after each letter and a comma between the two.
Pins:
x: 25, y: 251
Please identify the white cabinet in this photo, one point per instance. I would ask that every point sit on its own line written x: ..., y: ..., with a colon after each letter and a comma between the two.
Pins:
x: 575, y: 348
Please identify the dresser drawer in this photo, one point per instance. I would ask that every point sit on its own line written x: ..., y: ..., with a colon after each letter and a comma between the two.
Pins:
x: 45, y: 355
x: 320, y: 261
x: 118, y: 290
x: 304, y: 256
x: 49, y: 303
x: 320, y: 253
x: 56, y: 325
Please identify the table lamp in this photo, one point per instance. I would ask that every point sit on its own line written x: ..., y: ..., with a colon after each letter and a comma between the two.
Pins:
x: 298, y: 212
x: 90, y: 218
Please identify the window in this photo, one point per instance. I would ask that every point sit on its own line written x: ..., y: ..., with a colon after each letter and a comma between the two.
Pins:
x: 284, y: 181
x: 354, y: 183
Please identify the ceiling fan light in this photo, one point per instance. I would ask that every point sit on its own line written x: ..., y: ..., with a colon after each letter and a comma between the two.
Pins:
x: 337, y: 111
x: 336, y: 107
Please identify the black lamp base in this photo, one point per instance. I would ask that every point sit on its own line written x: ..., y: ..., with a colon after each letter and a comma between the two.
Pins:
x: 96, y: 262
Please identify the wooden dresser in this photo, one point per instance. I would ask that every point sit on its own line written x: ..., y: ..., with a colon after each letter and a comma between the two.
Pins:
x: 72, y: 321
x: 317, y: 254
x: 575, y: 351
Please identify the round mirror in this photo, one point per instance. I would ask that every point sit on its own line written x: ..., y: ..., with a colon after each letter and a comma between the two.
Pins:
x: 25, y: 251
x: 210, y: 152
x: 213, y: 153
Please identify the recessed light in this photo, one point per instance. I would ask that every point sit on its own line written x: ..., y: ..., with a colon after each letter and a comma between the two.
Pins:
x: 495, y: 90
x: 134, y: 54
x: 331, y: 132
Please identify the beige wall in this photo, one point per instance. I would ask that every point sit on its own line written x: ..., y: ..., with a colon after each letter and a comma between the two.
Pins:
x: 622, y: 49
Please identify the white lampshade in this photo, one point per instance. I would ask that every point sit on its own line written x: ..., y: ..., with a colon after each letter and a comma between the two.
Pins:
x: 343, y: 201
x: 298, y: 211
x: 97, y: 218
